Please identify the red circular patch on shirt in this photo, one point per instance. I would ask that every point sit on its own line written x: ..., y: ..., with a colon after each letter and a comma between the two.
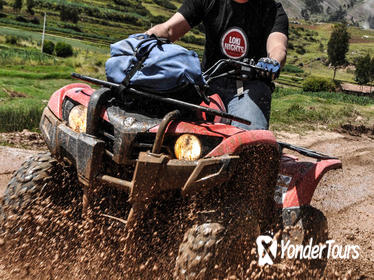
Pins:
x: 234, y: 43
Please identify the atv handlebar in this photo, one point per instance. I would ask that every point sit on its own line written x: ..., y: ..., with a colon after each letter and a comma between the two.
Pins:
x: 235, y: 69
x: 121, y: 89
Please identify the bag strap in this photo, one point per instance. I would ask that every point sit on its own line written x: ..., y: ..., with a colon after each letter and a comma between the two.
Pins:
x: 138, y: 65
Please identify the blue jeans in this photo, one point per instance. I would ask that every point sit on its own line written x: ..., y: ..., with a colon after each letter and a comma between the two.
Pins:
x: 253, y: 104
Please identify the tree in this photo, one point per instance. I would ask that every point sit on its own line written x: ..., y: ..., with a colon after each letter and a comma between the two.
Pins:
x: 305, y: 14
x: 338, y: 46
x: 1, y: 4
x: 48, y: 47
x: 371, y: 22
x: 69, y: 13
x: 338, y: 15
x: 63, y: 49
x: 362, y: 73
x: 314, y: 6
x: 371, y: 72
x: 364, y: 70
x: 17, y: 5
x: 30, y: 6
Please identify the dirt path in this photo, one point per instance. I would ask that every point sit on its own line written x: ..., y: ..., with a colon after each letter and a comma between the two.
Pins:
x: 10, y: 160
x: 346, y: 196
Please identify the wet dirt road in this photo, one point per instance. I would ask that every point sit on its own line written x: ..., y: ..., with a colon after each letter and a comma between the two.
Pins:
x: 346, y: 196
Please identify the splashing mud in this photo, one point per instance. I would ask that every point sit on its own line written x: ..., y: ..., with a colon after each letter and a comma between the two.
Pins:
x: 51, y: 239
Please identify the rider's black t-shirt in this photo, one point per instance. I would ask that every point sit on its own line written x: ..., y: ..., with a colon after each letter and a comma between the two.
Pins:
x: 235, y: 30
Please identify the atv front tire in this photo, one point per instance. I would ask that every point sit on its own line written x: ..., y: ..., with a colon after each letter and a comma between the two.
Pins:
x: 215, y: 250
x: 198, y: 251
x: 312, y: 226
x: 39, y: 177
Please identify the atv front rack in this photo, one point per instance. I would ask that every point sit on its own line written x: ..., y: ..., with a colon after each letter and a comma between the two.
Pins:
x: 121, y: 89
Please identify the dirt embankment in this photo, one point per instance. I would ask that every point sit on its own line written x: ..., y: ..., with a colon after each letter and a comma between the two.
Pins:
x: 345, y: 196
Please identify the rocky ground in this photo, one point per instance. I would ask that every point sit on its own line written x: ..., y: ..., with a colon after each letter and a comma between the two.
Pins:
x: 346, y: 196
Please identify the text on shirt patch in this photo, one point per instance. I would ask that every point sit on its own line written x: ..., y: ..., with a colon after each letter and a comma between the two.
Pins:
x: 234, y: 43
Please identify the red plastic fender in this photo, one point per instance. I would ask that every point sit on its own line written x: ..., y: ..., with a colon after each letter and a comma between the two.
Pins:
x: 55, y: 102
x: 232, y: 144
x: 300, y: 179
x: 216, y: 103
x: 78, y: 92
x: 83, y: 97
x: 233, y: 137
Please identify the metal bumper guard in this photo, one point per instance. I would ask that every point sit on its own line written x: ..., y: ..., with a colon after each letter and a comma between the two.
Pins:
x: 154, y: 173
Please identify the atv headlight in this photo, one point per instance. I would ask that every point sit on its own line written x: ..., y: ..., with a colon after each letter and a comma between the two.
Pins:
x: 78, y: 118
x: 188, y: 147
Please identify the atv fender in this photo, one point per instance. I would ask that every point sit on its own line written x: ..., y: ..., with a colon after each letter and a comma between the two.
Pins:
x: 216, y: 103
x: 56, y: 100
x: 297, y: 181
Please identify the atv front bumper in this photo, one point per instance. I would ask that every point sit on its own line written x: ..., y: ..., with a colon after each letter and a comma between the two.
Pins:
x: 154, y: 173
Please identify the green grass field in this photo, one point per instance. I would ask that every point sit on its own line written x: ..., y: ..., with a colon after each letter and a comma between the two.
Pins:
x: 294, y: 110
x: 26, y: 72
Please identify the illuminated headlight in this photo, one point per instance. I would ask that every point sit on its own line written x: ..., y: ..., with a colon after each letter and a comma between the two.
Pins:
x: 188, y: 147
x: 78, y: 118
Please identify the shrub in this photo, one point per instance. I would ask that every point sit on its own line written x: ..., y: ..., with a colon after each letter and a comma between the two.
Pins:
x: 72, y: 27
x: 30, y: 6
x: 21, y: 19
x: 11, y: 39
x: 48, y: 47
x: 123, y: 2
x: 157, y: 19
x: 316, y: 84
x: 69, y: 13
x: 166, y: 4
x: 63, y: 49
x: 35, y: 20
x: 300, y: 50
x: 193, y: 40
x: 17, y: 5
x: 292, y: 69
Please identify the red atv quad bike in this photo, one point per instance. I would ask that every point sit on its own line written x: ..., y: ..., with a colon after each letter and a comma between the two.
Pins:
x: 235, y: 184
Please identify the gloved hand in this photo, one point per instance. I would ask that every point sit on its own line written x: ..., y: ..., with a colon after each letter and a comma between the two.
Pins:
x: 270, y: 66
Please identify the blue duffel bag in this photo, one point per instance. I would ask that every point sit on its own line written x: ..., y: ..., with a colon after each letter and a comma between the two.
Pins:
x: 153, y: 64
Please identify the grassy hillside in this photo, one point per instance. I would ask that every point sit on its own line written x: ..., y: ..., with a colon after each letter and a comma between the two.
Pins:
x: 354, y: 11
x: 99, y: 21
x: 28, y: 77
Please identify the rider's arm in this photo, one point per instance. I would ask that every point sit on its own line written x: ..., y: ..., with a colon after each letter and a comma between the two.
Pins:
x: 172, y: 29
x: 276, y: 47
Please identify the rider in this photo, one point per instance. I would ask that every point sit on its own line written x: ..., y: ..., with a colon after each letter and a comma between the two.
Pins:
x: 237, y: 29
